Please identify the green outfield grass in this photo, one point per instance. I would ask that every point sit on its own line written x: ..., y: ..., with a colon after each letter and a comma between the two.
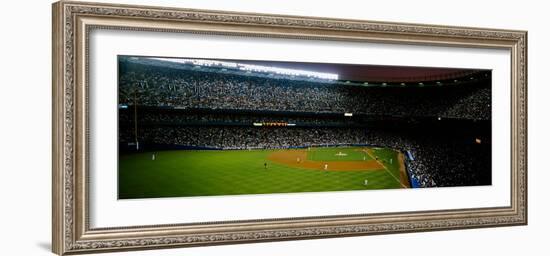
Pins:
x: 232, y: 172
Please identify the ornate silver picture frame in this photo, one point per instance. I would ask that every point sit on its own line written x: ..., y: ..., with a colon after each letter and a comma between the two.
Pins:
x: 73, y: 22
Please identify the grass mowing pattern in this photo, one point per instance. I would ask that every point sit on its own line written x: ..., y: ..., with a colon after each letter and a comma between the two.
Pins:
x: 331, y: 154
x: 233, y: 172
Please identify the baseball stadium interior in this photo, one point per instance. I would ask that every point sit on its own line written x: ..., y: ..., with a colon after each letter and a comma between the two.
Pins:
x: 438, y: 118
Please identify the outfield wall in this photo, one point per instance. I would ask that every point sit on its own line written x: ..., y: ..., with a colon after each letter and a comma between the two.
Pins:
x: 412, y: 180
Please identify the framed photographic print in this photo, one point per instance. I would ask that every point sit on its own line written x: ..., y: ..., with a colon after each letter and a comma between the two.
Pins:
x: 177, y: 127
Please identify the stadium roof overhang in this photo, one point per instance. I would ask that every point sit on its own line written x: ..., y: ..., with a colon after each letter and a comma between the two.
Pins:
x: 378, y: 73
x: 345, y: 74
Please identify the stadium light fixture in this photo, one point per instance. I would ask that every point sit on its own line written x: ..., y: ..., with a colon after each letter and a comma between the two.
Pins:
x: 253, y: 68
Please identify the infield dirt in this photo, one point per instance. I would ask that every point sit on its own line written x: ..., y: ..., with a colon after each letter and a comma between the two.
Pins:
x: 298, y: 158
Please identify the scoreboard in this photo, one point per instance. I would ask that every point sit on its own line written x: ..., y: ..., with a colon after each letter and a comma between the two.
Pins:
x: 273, y: 124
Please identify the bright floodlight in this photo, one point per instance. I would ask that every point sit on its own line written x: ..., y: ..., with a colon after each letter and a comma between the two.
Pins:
x: 254, y: 68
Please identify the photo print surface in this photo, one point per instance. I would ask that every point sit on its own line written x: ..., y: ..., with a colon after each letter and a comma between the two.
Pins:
x: 212, y: 127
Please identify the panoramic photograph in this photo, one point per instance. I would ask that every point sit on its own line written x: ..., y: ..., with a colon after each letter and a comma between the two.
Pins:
x: 217, y: 127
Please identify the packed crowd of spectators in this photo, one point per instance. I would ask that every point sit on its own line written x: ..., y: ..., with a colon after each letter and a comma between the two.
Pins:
x: 184, y: 118
x: 153, y: 86
x: 477, y: 104
x: 448, y: 164
x: 251, y: 137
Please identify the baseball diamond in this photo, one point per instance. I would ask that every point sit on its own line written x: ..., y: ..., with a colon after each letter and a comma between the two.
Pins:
x: 233, y: 172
